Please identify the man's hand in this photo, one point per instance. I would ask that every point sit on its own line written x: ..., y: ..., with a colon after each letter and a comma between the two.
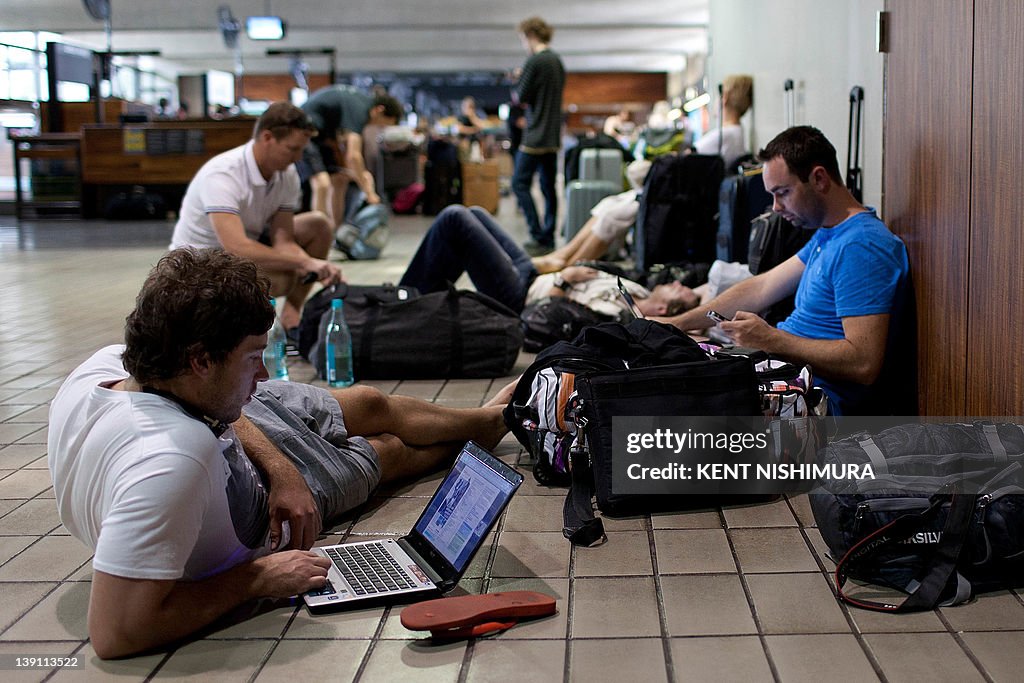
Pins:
x: 291, y: 500
x: 577, y: 274
x: 749, y: 330
x: 282, y: 575
x: 325, y: 271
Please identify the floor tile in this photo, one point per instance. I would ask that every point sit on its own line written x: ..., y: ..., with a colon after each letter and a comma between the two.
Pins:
x: 997, y: 611
x: 702, y: 605
x: 26, y: 483
x: 625, y: 553
x: 31, y: 517
x: 772, y: 550
x: 96, y: 670
x: 52, y: 558
x: 795, y: 603
x: 816, y: 658
x: 61, y: 615
x: 359, y: 623
x: 499, y: 661
x: 693, y: 551
x: 697, y: 519
x: 738, y: 659
x: 618, y: 660
x: 19, y: 455
x: 531, y: 553
x: 553, y: 626
x: 236, y: 660
x: 413, y: 661
x: 775, y: 513
x: 1001, y: 653
x: 614, y: 608
x: 18, y: 598
x: 13, y: 545
x: 314, y: 660
x: 49, y: 649
x: 533, y: 513
x: 390, y: 516
x: 921, y: 656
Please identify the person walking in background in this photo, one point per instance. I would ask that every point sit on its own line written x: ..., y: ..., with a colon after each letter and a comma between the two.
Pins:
x: 539, y: 90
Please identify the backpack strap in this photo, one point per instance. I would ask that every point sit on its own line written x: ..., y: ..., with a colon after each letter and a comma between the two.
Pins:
x: 579, y: 524
x: 928, y: 592
x: 994, y: 443
x: 874, y: 454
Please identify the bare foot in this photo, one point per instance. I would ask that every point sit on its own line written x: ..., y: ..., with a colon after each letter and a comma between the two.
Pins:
x: 504, y: 395
x: 549, y: 263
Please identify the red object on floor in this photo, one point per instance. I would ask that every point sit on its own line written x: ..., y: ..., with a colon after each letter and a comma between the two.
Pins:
x: 475, y: 615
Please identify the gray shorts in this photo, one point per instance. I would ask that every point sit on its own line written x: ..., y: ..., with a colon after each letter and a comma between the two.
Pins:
x: 306, y: 423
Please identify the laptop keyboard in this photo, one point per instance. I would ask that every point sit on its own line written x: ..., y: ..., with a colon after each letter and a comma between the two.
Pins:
x: 369, y: 569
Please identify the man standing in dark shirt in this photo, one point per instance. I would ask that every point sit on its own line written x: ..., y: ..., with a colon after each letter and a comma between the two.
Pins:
x: 335, y: 155
x: 540, y: 91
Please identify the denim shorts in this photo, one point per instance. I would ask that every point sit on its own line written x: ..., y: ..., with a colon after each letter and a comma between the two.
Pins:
x: 306, y: 424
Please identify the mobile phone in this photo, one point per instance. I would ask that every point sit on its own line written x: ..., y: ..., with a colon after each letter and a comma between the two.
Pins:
x: 717, y: 317
x: 628, y: 298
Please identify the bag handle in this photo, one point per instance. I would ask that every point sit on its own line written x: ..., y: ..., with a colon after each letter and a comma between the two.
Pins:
x: 928, y: 592
x: 580, y: 525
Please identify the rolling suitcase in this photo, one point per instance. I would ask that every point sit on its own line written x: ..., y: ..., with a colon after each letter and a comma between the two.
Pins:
x: 601, y: 164
x: 582, y: 196
x: 741, y: 199
x: 442, y: 177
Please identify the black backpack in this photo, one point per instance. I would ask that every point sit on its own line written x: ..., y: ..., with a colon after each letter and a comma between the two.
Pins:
x: 555, y: 319
x: 677, y: 220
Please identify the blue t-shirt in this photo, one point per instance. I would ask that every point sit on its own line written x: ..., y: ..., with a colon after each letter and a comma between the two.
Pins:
x: 855, y: 268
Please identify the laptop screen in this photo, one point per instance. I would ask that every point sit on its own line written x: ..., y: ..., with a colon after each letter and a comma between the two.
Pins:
x: 465, y: 506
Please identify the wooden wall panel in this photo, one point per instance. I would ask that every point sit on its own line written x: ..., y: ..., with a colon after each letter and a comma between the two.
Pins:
x: 274, y: 87
x: 926, y: 182
x: 995, y: 312
x: 611, y: 88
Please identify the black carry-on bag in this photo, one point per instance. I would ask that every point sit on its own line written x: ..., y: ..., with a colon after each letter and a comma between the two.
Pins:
x: 941, y: 519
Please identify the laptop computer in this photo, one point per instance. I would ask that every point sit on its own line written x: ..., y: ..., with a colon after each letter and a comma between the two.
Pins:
x: 431, y: 558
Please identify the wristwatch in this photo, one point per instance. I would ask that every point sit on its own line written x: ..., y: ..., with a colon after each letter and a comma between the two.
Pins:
x: 561, y: 283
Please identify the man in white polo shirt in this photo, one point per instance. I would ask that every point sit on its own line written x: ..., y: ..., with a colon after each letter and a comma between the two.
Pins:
x: 245, y: 201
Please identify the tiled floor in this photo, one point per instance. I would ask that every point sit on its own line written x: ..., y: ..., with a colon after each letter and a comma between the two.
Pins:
x: 735, y: 594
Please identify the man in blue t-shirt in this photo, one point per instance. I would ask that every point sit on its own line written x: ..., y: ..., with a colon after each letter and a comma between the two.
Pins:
x: 851, y: 282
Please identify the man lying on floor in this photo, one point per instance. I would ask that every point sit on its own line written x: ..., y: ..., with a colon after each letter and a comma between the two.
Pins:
x: 185, y: 470
x: 469, y: 240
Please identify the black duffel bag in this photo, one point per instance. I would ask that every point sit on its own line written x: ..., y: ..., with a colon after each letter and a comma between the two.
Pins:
x: 440, y: 335
x: 941, y: 519
x: 354, y: 295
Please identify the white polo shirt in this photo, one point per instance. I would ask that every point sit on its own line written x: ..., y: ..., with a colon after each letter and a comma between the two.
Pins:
x: 232, y: 183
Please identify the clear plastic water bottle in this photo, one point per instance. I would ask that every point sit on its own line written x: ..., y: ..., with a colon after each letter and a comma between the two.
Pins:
x: 337, y: 348
x: 274, y: 356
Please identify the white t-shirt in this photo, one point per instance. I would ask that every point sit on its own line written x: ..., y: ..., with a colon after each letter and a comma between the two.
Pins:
x: 600, y: 294
x: 146, y: 485
x: 733, y: 146
x: 615, y: 215
x: 232, y: 183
